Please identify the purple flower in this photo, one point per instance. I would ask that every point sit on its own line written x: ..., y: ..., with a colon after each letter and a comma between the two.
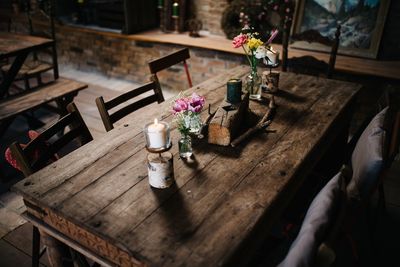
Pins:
x: 274, y: 33
x: 196, y: 103
x: 180, y: 105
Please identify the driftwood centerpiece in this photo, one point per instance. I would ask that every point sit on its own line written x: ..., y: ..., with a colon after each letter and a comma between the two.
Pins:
x: 225, y: 125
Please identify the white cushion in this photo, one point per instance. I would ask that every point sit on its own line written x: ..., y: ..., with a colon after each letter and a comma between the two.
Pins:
x: 303, y: 251
x: 367, y: 157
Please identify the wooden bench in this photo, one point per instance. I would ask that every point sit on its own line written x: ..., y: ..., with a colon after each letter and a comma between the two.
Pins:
x: 62, y: 91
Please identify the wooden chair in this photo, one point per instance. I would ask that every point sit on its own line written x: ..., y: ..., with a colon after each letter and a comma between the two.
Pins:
x: 167, y: 61
x: 46, y: 148
x: 309, y: 64
x: 105, y: 107
x: 44, y: 60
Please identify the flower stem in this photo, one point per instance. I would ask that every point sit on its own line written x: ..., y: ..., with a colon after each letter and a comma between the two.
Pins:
x: 247, y: 55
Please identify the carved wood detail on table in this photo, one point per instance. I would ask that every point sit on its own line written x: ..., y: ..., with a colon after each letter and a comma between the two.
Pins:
x: 218, y: 199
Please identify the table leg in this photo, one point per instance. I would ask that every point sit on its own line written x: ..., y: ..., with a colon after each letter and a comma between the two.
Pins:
x: 12, y: 72
x: 57, y: 252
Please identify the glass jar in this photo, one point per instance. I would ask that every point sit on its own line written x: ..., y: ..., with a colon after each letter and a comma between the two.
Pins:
x: 253, y: 84
x: 185, y: 146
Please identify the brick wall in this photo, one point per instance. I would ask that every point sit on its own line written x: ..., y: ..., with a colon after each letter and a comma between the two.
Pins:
x: 127, y: 59
x: 210, y: 13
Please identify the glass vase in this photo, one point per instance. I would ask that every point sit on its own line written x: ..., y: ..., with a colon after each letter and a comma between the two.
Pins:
x: 195, y: 123
x: 185, y: 146
x: 253, y: 84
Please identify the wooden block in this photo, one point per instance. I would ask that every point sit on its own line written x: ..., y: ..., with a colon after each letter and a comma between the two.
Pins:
x: 225, y: 125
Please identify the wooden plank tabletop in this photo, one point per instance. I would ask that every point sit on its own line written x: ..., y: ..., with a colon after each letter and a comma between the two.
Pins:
x: 99, y: 195
x: 12, y: 44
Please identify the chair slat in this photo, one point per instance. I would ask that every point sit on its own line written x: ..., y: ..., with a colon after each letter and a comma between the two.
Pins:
x: 306, y: 64
x: 169, y: 60
x: 162, y: 63
x: 129, y: 95
x: 44, y: 149
x: 116, y: 116
x: 105, y: 107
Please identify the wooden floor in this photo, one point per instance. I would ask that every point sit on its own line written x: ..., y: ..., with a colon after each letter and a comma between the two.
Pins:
x: 15, y: 233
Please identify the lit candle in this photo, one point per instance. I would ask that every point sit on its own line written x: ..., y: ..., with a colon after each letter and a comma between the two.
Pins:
x: 175, y: 9
x: 157, y: 134
x: 272, y: 57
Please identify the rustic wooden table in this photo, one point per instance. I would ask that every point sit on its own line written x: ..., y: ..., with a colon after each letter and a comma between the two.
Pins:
x: 98, y: 199
x: 18, y: 46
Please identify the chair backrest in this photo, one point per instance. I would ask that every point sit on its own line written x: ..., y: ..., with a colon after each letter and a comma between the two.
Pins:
x: 311, y: 36
x: 42, y: 150
x: 105, y: 107
x: 165, y: 62
x: 46, y: 13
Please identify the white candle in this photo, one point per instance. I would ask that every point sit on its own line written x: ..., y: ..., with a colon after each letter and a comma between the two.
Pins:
x: 156, y: 135
x: 272, y: 57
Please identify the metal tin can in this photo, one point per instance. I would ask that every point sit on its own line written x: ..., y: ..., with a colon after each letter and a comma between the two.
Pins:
x: 234, y: 91
x: 160, y: 169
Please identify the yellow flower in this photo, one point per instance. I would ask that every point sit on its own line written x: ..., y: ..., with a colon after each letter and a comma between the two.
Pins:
x: 254, y: 43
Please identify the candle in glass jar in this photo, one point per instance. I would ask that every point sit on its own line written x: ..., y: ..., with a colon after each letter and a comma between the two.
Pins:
x: 272, y: 57
x: 157, y: 134
x: 175, y: 9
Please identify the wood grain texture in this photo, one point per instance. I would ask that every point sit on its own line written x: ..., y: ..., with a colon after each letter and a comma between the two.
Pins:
x: 18, y: 104
x: 227, y: 122
x: 99, y: 195
x: 12, y: 44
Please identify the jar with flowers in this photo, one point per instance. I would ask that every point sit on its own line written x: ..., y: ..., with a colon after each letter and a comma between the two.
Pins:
x: 186, y: 110
x: 255, y: 49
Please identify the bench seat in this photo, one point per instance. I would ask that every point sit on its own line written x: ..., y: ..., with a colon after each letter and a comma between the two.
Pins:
x: 29, y: 100
x: 61, y: 91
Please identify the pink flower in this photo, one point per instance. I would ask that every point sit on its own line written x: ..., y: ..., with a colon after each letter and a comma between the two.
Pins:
x: 276, y: 7
x: 180, y: 104
x: 196, y: 103
x: 239, y: 40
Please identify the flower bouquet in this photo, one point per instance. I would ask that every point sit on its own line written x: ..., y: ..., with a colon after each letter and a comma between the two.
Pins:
x: 187, y: 116
x: 254, y: 49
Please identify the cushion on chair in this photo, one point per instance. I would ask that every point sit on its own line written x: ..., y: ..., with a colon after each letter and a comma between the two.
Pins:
x: 35, y: 155
x: 303, y: 251
x: 367, y: 157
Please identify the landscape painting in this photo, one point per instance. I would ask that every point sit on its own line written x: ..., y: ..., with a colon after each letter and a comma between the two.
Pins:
x: 361, y: 22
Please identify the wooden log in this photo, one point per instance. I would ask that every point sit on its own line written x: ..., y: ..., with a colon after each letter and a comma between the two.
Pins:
x: 225, y: 125
x: 262, y: 124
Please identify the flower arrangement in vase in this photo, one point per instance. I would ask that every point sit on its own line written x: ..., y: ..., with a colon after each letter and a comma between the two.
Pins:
x: 255, y: 49
x: 186, y: 110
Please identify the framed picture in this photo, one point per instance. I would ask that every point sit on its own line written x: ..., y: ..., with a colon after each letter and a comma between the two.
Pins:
x: 361, y: 21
